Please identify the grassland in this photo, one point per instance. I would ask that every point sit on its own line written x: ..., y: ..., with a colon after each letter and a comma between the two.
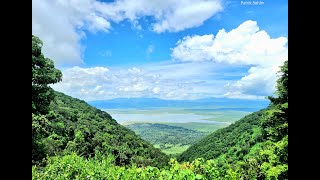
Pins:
x: 175, y: 149
x: 173, y: 130
x: 202, y: 127
x: 170, y: 139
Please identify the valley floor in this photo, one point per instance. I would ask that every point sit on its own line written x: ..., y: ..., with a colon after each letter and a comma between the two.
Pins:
x: 173, y: 130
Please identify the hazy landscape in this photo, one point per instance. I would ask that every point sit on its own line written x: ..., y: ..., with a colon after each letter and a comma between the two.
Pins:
x: 196, y: 118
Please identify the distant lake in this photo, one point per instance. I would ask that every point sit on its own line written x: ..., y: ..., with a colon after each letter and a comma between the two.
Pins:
x: 162, y: 118
x: 225, y: 109
x: 207, y: 111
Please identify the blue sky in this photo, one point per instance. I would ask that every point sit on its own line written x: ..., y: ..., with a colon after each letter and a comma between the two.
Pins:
x: 164, y: 49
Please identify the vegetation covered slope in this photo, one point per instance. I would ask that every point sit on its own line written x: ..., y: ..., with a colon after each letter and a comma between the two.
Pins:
x: 170, y: 139
x: 76, y: 167
x: 257, y: 145
x: 234, y: 141
x: 78, y: 127
x: 63, y: 125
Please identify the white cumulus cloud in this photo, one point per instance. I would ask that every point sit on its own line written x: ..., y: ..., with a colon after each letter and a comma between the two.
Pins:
x: 185, y: 14
x: 61, y: 24
x: 162, y: 80
x: 103, y: 83
x: 244, y: 45
x: 169, y: 15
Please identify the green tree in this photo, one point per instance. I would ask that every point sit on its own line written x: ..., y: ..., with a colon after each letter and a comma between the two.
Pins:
x: 40, y: 125
x: 43, y: 74
x: 275, y: 122
x: 282, y: 86
x: 274, y: 153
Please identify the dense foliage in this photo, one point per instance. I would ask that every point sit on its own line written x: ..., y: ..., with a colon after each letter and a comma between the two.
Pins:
x: 76, y: 167
x: 275, y: 123
x: 275, y: 129
x: 234, y: 141
x: 165, y: 136
x: 74, y: 126
x: 43, y: 73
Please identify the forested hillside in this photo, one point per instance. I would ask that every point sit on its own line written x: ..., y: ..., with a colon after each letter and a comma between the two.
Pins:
x: 257, y: 145
x: 64, y: 125
x: 233, y: 141
x: 78, y: 127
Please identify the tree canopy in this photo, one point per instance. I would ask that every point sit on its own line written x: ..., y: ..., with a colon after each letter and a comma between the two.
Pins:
x: 43, y: 74
x: 275, y: 123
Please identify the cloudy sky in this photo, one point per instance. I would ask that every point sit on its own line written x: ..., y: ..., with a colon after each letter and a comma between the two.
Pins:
x: 164, y: 48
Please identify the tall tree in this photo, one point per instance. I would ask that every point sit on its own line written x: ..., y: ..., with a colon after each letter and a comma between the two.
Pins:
x: 43, y: 74
x: 275, y: 123
x: 274, y: 153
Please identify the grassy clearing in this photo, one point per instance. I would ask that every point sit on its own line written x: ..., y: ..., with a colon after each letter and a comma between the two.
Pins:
x: 175, y: 149
x: 202, y: 127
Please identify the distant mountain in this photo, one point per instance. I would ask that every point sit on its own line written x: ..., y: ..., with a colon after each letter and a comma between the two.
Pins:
x: 145, y: 103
